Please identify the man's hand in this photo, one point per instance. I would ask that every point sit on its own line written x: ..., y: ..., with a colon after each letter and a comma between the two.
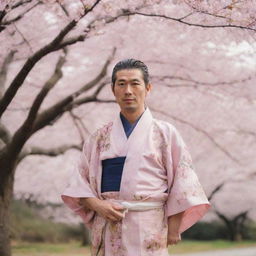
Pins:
x: 108, y: 210
x: 173, y: 238
x: 174, y: 222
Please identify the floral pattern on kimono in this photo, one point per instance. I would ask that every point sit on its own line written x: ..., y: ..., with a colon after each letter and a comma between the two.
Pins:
x: 160, y: 143
x: 184, y: 176
x: 102, y: 137
x: 116, y: 245
x: 97, y: 236
x: 155, y: 232
x: 185, y: 191
x: 137, y: 197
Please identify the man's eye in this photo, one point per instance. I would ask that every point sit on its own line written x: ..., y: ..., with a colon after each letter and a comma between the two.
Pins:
x: 135, y: 84
x: 121, y: 84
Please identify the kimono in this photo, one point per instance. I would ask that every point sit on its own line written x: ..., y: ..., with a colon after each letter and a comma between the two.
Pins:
x: 157, y: 168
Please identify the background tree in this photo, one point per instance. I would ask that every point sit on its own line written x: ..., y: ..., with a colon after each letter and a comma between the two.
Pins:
x: 41, y: 39
x: 13, y: 150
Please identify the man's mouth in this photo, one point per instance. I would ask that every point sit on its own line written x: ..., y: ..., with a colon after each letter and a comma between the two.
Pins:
x: 128, y: 99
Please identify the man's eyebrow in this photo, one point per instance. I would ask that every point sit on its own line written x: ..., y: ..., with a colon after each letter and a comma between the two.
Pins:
x: 123, y: 80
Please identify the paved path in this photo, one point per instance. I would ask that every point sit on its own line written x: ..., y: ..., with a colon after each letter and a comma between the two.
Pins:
x: 251, y: 251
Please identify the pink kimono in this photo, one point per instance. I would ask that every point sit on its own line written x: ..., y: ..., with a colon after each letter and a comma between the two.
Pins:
x: 158, y: 167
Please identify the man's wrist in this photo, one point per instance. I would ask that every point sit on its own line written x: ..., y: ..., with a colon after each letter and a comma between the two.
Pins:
x: 89, y: 202
x: 173, y: 232
x: 80, y: 203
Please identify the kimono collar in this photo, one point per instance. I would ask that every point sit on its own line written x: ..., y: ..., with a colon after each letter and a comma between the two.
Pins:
x: 128, y: 127
x: 118, y: 139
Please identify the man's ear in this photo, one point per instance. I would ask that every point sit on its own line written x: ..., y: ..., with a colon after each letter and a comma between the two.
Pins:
x: 148, y: 87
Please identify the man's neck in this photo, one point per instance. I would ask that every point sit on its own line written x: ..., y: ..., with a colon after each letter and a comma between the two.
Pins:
x: 132, y: 116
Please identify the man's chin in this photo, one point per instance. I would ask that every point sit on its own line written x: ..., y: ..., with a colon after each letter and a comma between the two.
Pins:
x: 130, y: 108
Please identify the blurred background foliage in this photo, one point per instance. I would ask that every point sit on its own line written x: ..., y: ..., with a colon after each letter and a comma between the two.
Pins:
x: 29, y: 226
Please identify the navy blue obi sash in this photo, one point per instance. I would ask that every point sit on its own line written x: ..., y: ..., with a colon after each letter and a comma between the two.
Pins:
x: 112, y: 170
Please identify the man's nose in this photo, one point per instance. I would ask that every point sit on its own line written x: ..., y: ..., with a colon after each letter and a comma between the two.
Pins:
x: 128, y: 89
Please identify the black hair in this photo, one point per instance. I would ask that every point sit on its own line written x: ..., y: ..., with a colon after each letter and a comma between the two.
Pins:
x: 131, y: 64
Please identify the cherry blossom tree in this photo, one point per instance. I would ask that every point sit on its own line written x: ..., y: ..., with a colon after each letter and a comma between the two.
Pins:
x: 13, y: 150
x: 56, y: 56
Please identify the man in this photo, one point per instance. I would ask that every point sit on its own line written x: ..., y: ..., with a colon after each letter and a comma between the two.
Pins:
x: 135, y: 186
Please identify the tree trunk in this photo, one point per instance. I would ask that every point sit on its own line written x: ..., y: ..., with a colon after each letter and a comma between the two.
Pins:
x: 232, y: 231
x: 235, y: 226
x: 235, y: 232
x: 5, y: 200
x: 86, y: 236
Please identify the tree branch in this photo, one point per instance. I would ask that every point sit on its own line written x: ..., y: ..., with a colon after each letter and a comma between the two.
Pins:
x: 8, y: 22
x: 24, y: 38
x: 4, y: 69
x: 79, y: 125
x: 28, y: 151
x: 241, y: 217
x: 51, y: 114
x: 71, y: 41
x: 29, y: 64
x: 180, y: 20
x: 91, y: 98
x: 187, y: 15
x: 54, y: 45
x: 63, y: 8
x: 23, y: 133
x: 238, y: 131
x: 5, y: 134
x: 195, y: 83
x: 218, y: 188
x: 2, y: 15
x: 208, y: 13
x: 20, y: 3
x: 220, y: 147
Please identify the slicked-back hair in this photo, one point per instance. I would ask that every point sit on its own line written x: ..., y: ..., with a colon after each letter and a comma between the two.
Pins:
x: 131, y: 64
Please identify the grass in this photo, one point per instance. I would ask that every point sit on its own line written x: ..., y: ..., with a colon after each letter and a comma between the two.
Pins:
x: 48, y: 249
x: 75, y: 249
x: 27, y: 225
x: 190, y: 246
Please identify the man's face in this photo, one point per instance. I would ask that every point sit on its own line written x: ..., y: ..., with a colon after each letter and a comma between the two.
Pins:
x: 130, y: 90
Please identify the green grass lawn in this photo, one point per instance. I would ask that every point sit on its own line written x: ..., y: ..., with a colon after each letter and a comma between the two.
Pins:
x: 74, y: 248
x: 48, y: 249
x: 198, y: 246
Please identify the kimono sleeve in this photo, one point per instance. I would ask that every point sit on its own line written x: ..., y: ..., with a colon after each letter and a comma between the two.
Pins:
x: 79, y: 187
x: 185, y: 191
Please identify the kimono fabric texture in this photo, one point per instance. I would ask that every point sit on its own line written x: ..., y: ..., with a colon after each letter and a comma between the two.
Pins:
x: 157, y: 168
